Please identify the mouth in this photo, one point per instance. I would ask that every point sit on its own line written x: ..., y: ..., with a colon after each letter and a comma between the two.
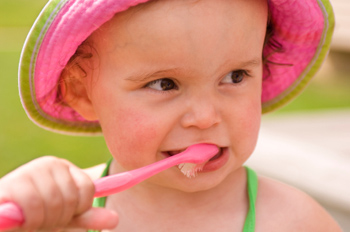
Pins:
x: 216, y: 162
x: 172, y: 153
x: 175, y: 152
x: 218, y: 155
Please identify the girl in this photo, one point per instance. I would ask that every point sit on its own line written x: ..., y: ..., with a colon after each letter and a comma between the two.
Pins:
x: 156, y: 78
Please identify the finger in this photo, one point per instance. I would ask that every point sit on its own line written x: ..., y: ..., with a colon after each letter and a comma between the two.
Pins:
x: 96, y: 219
x: 27, y: 197
x: 17, y: 187
x: 69, y: 193
x: 54, y: 202
x: 86, y: 190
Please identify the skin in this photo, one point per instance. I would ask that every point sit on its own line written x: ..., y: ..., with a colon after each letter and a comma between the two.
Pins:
x: 196, y: 47
x: 139, y: 122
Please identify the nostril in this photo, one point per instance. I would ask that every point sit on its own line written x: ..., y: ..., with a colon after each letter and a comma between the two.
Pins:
x: 201, y: 119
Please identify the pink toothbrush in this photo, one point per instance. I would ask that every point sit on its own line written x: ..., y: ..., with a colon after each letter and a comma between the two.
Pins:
x: 189, y: 162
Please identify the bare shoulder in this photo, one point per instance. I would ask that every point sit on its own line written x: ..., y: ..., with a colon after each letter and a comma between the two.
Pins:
x: 281, y: 207
x: 95, y: 171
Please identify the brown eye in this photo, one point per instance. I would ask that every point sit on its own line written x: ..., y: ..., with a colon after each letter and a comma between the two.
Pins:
x: 235, y: 77
x: 164, y: 84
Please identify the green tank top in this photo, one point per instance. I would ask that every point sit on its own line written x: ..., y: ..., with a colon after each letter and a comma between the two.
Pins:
x: 252, y: 186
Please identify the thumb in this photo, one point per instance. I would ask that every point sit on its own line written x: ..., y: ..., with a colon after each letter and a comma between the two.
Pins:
x: 96, y: 219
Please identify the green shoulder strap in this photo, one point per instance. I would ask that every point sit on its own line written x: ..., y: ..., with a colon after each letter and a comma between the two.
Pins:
x: 252, y: 185
x: 101, y: 201
x: 252, y: 182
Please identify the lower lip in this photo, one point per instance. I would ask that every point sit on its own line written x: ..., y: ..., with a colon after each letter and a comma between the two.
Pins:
x: 217, y: 163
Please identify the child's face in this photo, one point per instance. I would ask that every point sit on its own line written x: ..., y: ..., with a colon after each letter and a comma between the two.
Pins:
x: 170, y: 74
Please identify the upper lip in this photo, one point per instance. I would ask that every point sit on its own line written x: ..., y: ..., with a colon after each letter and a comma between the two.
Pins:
x: 176, y: 151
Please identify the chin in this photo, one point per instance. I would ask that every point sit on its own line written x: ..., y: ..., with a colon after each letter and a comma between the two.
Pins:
x: 203, y: 181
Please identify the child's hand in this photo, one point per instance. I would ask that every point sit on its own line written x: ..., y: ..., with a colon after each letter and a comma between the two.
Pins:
x: 53, y: 193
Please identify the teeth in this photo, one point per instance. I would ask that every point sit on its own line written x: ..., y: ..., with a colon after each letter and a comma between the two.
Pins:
x: 190, y: 170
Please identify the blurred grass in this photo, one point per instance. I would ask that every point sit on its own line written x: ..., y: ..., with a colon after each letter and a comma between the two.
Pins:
x: 22, y: 141
x: 19, y: 13
x: 321, y: 96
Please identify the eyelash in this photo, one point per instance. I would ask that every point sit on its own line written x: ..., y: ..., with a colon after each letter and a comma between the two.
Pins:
x: 165, y: 87
x: 242, y: 74
x: 173, y: 86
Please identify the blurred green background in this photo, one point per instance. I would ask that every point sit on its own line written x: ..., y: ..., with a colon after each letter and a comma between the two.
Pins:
x: 22, y: 141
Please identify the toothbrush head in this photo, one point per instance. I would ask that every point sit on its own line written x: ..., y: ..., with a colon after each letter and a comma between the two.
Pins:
x: 200, y: 155
x: 190, y: 170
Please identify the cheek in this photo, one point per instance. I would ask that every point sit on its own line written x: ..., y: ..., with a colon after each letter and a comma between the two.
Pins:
x: 250, y: 126
x: 252, y: 113
x: 136, y: 128
x: 245, y: 126
x: 130, y: 135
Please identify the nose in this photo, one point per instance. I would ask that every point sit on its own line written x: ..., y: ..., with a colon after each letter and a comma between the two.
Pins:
x: 201, y: 112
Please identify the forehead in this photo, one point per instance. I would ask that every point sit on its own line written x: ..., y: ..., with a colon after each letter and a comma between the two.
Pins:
x: 199, y: 28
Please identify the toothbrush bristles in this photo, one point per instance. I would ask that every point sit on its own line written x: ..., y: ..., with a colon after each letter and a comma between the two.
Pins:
x: 190, y: 170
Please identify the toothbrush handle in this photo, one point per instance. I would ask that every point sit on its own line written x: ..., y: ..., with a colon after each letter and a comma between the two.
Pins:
x: 11, y: 216
x: 112, y: 184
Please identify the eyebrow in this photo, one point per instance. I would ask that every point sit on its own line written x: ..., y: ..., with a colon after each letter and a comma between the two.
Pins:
x: 143, y: 77
x: 256, y: 61
x: 252, y: 62
x: 249, y: 63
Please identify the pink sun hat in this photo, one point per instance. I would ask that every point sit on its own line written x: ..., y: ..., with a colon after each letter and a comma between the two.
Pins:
x: 302, y: 28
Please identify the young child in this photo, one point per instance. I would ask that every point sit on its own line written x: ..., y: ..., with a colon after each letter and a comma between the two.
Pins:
x: 156, y: 77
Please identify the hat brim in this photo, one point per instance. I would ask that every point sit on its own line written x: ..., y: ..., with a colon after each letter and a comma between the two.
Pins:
x: 304, y: 30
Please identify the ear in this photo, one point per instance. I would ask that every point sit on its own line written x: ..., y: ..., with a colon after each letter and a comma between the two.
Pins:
x: 75, y: 92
